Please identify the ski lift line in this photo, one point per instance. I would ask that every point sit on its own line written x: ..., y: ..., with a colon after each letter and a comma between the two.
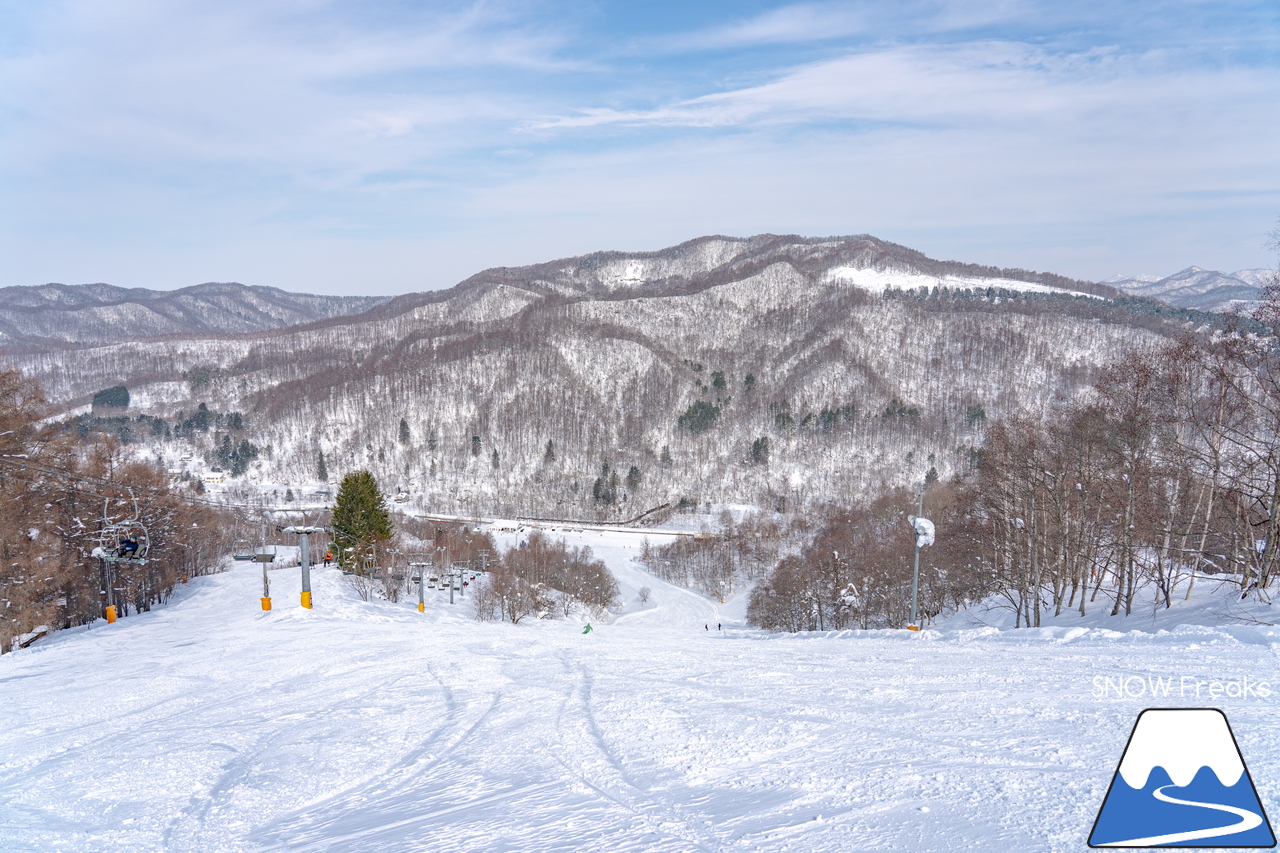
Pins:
x: 53, y: 471
x: 116, y: 488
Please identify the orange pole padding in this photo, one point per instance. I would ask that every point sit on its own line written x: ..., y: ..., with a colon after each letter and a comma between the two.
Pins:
x: 422, y: 608
x: 111, y: 614
x: 306, y: 599
x: 266, y: 604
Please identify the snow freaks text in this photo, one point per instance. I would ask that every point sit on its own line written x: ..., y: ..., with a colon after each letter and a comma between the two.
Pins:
x: 1181, y: 686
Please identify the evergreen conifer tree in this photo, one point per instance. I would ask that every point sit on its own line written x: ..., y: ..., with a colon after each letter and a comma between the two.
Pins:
x: 361, y: 522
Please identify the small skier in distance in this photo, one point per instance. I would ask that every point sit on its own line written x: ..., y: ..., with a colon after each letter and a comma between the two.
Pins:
x: 719, y: 627
x: 706, y: 627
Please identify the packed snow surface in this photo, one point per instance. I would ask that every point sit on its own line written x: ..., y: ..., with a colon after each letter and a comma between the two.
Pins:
x: 209, y: 725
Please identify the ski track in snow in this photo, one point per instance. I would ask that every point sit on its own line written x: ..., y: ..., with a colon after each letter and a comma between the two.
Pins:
x: 208, y: 725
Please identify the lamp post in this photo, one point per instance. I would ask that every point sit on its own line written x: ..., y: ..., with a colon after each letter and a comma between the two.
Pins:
x: 924, y: 533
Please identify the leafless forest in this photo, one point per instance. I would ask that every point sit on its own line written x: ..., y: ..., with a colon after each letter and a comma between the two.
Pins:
x: 1164, y: 474
x: 719, y: 371
x: 1078, y: 446
x: 60, y: 494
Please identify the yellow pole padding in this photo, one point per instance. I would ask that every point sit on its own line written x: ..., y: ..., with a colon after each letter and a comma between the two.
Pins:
x: 306, y: 599
x: 111, y: 614
x: 422, y: 608
x: 266, y: 604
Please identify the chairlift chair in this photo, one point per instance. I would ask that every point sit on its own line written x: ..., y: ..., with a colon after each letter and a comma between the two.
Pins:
x: 125, y: 540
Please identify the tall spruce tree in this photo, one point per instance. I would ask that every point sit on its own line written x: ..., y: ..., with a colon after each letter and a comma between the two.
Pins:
x: 361, y: 522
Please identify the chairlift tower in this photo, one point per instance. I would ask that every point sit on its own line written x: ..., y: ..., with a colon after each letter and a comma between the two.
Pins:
x: 421, y: 566
x: 446, y: 569
x: 461, y: 569
x: 263, y: 557
x: 304, y: 557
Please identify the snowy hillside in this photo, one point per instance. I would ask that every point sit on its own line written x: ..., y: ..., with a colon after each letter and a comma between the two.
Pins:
x: 771, y: 371
x: 210, y: 725
x: 54, y: 314
x: 1205, y: 290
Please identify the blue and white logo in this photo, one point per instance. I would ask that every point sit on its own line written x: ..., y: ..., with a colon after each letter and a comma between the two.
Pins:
x: 1182, y: 783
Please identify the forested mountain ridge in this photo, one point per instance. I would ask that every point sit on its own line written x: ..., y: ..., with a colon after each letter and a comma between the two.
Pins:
x: 709, y: 261
x: 59, y: 314
x: 1205, y: 290
x: 769, y: 370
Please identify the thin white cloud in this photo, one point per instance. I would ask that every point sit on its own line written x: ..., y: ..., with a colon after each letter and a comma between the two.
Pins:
x: 929, y: 85
x: 260, y: 83
x: 839, y: 19
x: 796, y: 23
x: 298, y: 142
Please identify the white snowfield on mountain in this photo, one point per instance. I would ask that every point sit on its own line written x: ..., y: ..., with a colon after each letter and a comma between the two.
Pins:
x: 1181, y: 741
x: 878, y: 281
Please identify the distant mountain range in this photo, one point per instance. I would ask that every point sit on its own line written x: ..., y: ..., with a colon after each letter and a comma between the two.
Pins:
x: 53, y: 314
x: 773, y: 370
x: 1205, y: 290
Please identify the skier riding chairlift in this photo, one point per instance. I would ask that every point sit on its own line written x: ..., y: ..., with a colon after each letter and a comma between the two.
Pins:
x: 128, y: 547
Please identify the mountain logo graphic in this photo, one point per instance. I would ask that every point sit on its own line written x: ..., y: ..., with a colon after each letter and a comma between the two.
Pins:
x: 1182, y: 783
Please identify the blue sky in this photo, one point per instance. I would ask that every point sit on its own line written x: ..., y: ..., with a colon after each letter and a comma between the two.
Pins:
x: 385, y: 147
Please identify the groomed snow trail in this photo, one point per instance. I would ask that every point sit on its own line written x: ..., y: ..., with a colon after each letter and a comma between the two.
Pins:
x: 211, y: 726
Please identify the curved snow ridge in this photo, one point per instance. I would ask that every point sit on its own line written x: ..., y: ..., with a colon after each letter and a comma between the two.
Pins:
x: 1053, y: 634
x: 899, y: 634
x: 1056, y: 633
x: 1181, y: 741
x: 1203, y: 634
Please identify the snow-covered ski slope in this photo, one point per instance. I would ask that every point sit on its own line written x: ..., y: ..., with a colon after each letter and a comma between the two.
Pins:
x: 209, y: 725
